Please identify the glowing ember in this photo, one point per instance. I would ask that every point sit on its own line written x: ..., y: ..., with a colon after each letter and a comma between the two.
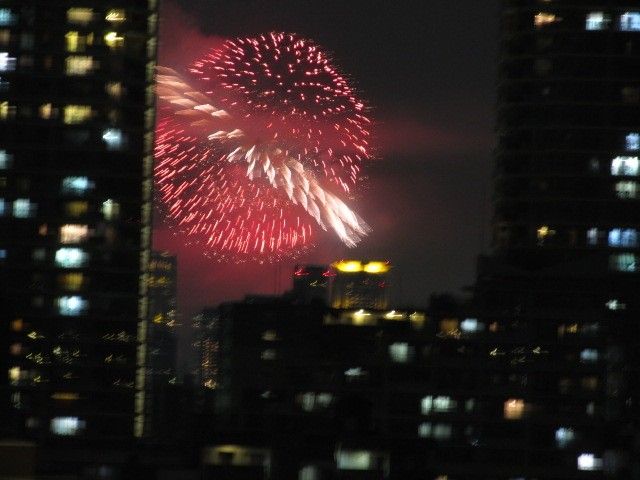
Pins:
x: 259, y: 139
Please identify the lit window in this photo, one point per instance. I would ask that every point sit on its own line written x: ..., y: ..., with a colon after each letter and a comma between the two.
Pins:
x: 74, y: 114
x: 589, y: 355
x: 76, y: 42
x: 45, y: 111
x: 564, y: 437
x: 7, y: 110
x: 71, y: 257
x: 115, y: 15
x: 5, y: 36
x: 4, y: 85
x: 15, y: 374
x: 442, y: 431
x: 113, y: 40
x: 623, y: 237
x: 269, y: 354
x: 425, y: 429
x: 79, y: 65
x: 71, y: 281
x: 76, y: 185
x: 449, y: 327
x: 23, y: 208
x: 630, y: 22
x: 439, y: 431
x: 632, y: 142
x: 589, y: 462
x: 401, y: 352
x: 72, y: 306
x: 625, y: 166
x: 114, y: 89
x: 73, y: 233
x: 113, y: 138
x: 440, y: 404
x: 541, y: 19
x: 7, y: 17
x: 3, y: 254
x: 627, y: 190
x: 76, y: 209
x: 615, y: 304
x: 543, y: 233
x: 268, y: 335
x: 72, y: 40
x: 80, y: 16
x: 7, y: 63
x: 597, y: 21
x: 2, y: 207
x: 311, y: 401
x: 592, y: 236
x: 355, y: 460
x: 67, y: 426
x: 514, y: 409
x: 471, y: 325
x: 5, y: 160
x: 355, y: 372
x: 623, y: 262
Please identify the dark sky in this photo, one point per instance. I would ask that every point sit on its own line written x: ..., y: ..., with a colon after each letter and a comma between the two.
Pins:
x: 427, y: 69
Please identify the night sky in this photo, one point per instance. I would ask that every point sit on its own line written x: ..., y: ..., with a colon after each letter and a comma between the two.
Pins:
x: 427, y: 69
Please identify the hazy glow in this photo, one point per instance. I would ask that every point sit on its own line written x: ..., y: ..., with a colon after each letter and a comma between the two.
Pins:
x: 353, y: 266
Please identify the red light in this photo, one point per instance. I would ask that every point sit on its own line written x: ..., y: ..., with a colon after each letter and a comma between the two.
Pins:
x: 328, y: 273
x: 301, y: 272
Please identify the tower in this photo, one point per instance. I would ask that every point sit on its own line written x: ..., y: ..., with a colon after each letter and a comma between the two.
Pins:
x: 558, y: 295
x: 76, y: 138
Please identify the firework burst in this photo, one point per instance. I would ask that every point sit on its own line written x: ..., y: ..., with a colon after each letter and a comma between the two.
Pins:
x: 256, y: 144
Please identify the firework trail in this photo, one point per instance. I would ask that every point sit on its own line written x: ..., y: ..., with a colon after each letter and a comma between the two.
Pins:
x: 245, y: 143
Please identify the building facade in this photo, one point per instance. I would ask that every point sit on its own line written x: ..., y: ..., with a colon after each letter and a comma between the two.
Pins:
x: 76, y: 138
x: 556, y: 302
x: 309, y: 392
x: 162, y: 338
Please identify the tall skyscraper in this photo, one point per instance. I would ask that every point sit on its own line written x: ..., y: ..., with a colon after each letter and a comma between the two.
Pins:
x: 76, y: 153
x: 558, y: 298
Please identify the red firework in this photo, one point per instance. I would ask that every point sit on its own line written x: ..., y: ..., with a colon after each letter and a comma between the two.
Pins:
x: 244, y: 141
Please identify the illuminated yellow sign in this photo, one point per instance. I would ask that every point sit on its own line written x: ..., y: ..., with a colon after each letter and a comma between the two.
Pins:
x: 353, y: 266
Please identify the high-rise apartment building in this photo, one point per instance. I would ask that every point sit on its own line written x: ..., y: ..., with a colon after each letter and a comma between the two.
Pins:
x: 557, y: 301
x: 76, y: 138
